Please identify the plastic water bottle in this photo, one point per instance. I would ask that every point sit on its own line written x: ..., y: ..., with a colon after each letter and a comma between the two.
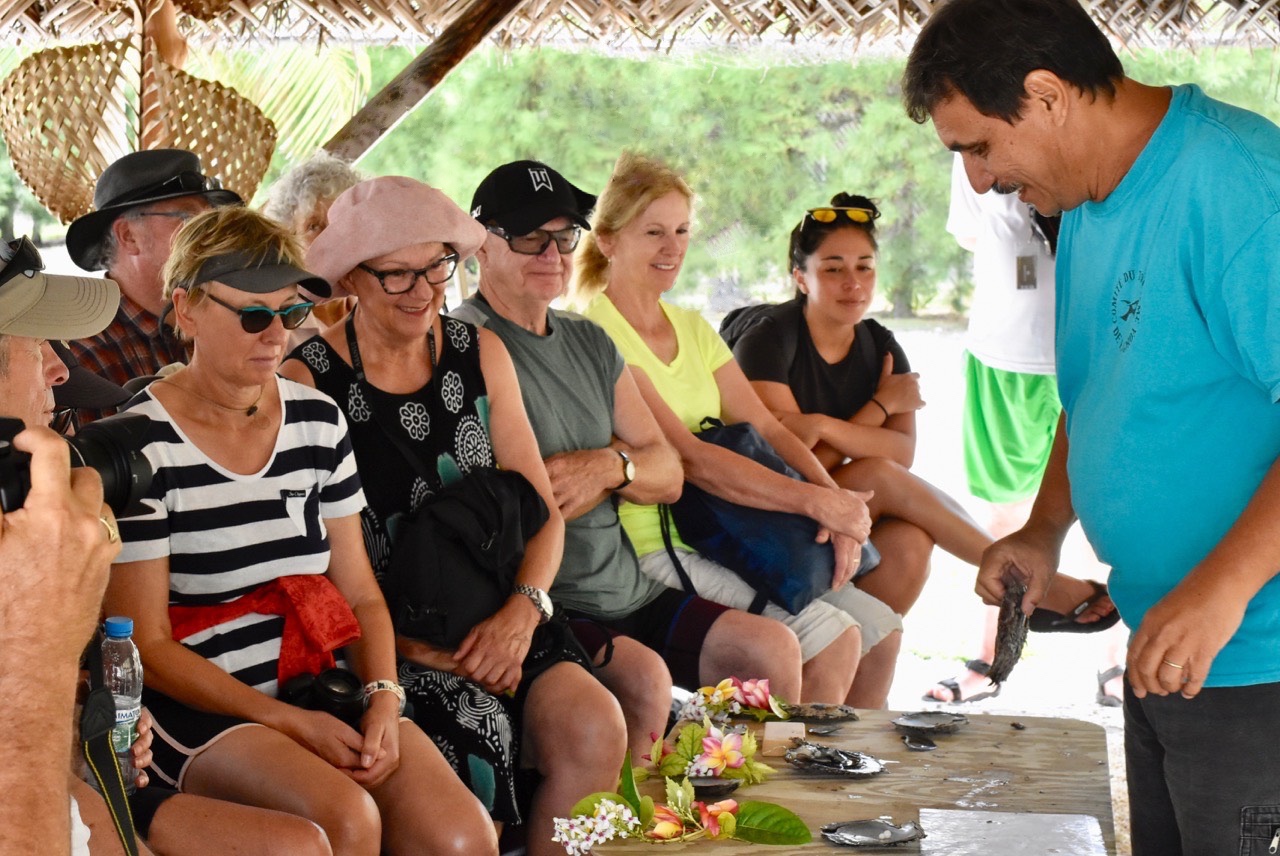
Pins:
x: 122, y: 675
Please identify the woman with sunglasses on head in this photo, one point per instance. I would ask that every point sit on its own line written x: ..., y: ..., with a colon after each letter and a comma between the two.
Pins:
x: 429, y: 399
x: 847, y: 391
x: 251, y: 571
x: 630, y: 259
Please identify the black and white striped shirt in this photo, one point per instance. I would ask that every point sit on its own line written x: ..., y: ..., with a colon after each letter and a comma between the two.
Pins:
x: 225, y: 533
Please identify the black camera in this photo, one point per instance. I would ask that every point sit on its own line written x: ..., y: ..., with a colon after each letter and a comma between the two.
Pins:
x: 112, y: 446
x: 334, y: 691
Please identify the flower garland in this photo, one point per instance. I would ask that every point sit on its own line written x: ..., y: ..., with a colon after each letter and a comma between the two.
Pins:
x: 702, y: 749
x: 732, y: 697
x: 605, y: 816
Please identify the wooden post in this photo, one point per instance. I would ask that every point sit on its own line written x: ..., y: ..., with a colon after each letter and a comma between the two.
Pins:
x: 385, y: 109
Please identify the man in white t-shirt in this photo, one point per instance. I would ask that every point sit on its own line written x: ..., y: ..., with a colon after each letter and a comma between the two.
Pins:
x: 1011, y: 403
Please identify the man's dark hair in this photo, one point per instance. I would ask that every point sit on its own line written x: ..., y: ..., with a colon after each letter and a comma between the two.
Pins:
x: 984, y: 49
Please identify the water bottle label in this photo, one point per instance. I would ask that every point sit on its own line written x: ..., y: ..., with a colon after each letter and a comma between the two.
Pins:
x: 126, y: 729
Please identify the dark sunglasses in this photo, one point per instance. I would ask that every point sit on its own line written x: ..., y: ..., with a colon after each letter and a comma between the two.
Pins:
x: 25, y: 260
x: 183, y: 182
x: 831, y: 214
x: 64, y: 419
x: 401, y: 280
x: 255, y: 319
x: 535, y: 243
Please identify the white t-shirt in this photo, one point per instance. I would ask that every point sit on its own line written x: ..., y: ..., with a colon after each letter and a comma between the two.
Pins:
x: 1011, y: 319
x: 79, y: 832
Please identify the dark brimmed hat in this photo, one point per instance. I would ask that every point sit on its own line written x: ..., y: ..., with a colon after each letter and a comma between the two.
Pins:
x: 139, y: 178
x: 83, y: 388
x: 257, y: 274
x: 522, y: 195
x: 51, y: 306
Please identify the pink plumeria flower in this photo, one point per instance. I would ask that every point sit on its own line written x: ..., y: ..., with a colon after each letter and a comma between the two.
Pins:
x: 720, y: 750
x: 752, y: 693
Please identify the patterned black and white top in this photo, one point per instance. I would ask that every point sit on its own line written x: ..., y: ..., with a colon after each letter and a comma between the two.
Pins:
x: 446, y: 422
x: 225, y: 533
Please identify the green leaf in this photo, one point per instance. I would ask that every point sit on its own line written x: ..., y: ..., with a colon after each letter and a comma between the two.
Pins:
x: 728, y: 825
x: 627, y: 787
x: 689, y: 741
x: 646, y: 811
x: 767, y: 823
x: 587, y: 805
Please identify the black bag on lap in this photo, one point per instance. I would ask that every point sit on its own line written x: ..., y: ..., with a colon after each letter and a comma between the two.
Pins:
x: 455, y: 559
x: 773, y: 551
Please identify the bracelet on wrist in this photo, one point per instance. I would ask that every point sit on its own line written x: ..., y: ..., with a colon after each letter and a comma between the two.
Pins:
x: 883, y: 409
x: 387, y: 687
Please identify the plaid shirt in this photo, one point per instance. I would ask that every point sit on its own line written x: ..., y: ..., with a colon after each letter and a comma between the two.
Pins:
x: 132, y: 346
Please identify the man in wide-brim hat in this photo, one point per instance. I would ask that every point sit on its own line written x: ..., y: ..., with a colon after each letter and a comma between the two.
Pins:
x: 139, y: 202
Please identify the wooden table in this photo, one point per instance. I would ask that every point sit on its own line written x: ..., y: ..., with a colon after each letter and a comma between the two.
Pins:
x: 1052, y: 766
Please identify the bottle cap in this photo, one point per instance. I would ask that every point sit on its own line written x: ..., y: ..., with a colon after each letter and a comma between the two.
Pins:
x: 119, y: 627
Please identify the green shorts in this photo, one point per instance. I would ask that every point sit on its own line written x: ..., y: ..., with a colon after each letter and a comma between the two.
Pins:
x: 1009, y: 422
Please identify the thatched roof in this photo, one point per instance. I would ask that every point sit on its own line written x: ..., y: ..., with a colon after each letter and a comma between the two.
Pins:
x: 643, y: 24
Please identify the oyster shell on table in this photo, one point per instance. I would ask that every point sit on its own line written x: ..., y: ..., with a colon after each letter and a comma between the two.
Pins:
x: 828, y: 760
x: 1011, y: 634
x: 930, y: 721
x: 816, y: 712
x: 712, y: 788
x: 872, y: 833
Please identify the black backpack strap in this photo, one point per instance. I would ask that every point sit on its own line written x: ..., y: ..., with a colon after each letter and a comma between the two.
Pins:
x: 97, y: 719
x: 664, y: 517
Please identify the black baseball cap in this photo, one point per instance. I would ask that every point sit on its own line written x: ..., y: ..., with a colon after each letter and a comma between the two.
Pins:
x: 522, y: 195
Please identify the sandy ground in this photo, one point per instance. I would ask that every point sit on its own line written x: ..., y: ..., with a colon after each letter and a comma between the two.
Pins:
x: 1057, y: 674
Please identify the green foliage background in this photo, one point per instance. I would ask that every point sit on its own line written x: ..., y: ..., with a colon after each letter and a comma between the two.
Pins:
x: 760, y: 136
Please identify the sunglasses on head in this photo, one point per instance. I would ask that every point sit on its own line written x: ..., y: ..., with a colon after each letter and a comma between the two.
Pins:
x: 832, y: 213
x: 183, y: 182
x: 535, y: 243
x: 255, y: 319
x: 25, y: 260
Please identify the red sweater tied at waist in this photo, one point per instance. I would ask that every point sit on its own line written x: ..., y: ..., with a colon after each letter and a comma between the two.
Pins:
x: 317, y: 620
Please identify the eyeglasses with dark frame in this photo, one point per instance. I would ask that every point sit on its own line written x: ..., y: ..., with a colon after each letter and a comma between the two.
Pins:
x: 255, y: 319
x: 400, y: 280
x: 183, y: 216
x: 535, y: 243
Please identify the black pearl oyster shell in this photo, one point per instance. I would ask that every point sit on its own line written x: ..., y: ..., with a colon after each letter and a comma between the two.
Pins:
x: 930, y: 721
x: 830, y: 761
x: 872, y: 833
x: 1011, y: 633
x: 819, y: 712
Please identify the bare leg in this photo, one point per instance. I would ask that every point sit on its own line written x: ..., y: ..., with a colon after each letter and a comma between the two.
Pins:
x: 641, y: 683
x: 899, y: 493
x: 875, y: 674
x: 426, y: 808
x: 189, y: 825
x: 828, y: 675
x: 752, y: 646
x: 575, y: 734
x: 904, y: 564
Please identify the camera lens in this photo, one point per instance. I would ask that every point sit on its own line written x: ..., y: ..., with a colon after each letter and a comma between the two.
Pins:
x: 113, y: 447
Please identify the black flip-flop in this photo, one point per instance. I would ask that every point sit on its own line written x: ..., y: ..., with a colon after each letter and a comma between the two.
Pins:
x: 980, y: 667
x: 1048, y: 621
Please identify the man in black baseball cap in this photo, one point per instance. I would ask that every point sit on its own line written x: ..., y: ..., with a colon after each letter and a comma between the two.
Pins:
x: 139, y: 202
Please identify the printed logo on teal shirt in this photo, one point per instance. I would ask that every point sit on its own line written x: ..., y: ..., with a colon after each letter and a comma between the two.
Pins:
x: 1126, y: 307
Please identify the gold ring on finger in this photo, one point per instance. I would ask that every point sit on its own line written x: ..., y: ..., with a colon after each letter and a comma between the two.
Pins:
x: 1173, y: 665
x: 113, y: 531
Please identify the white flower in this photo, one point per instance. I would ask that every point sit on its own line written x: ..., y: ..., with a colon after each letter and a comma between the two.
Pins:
x: 415, y: 419
x: 357, y: 407
x: 314, y: 354
x: 458, y: 333
x: 451, y: 391
x: 472, y: 443
x: 419, y: 493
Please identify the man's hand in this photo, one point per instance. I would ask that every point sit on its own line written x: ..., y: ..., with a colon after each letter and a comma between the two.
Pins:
x: 57, y: 549
x: 844, y: 512
x: 581, y: 479
x: 848, y: 557
x: 1024, y: 556
x: 1180, y: 636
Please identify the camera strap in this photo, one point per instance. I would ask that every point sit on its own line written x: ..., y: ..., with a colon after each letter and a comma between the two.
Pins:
x: 97, y: 719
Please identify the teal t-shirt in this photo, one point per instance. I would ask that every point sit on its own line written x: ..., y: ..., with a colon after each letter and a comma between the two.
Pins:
x: 1168, y: 342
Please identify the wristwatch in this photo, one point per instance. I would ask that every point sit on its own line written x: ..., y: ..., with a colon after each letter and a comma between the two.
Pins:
x: 540, y: 599
x: 628, y: 469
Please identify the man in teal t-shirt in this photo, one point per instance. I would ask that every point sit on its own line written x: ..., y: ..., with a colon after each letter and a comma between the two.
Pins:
x: 1168, y: 309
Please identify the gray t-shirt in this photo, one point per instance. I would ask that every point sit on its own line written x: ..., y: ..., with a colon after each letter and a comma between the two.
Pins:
x: 567, y: 379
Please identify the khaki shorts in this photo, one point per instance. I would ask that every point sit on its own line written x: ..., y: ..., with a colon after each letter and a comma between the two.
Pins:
x: 817, y: 625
